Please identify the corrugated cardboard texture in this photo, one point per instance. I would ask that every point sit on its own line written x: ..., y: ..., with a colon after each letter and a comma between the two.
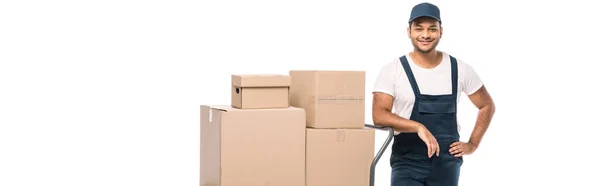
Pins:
x: 332, y: 99
x: 339, y: 157
x: 252, y: 147
x: 256, y: 91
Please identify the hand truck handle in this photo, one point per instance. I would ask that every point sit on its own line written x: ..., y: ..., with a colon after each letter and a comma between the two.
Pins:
x: 381, y: 150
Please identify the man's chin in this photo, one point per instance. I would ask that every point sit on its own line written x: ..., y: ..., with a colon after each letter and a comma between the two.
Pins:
x: 424, y: 50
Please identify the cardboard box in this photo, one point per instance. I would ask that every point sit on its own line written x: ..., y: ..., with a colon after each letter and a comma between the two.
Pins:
x: 258, y: 91
x: 339, y: 157
x: 252, y: 147
x: 332, y: 99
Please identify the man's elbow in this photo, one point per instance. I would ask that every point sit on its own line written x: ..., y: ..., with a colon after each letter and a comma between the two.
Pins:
x: 491, y: 105
x: 379, y: 117
x: 490, y: 108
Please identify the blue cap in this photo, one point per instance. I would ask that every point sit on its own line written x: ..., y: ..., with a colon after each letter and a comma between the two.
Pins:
x: 425, y: 10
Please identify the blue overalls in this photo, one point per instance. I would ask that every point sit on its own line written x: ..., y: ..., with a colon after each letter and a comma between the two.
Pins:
x: 410, y: 163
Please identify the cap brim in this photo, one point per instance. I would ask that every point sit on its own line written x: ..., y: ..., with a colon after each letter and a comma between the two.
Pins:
x: 420, y: 16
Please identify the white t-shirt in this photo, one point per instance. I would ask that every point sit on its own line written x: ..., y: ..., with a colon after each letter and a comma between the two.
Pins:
x: 393, y: 80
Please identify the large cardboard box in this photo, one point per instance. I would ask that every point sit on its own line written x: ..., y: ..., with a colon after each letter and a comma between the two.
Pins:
x: 252, y: 147
x: 339, y: 157
x: 332, y: 99
x: 257, y: 91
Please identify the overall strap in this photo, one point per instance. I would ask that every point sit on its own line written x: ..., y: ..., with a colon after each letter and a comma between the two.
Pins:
x: 411, y: 77
x: 454, y: 76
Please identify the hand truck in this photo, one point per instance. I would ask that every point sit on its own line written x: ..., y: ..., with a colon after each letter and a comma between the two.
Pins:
x: 381, y: 150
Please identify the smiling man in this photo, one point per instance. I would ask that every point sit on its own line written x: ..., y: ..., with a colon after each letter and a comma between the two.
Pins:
x: 423, y: 88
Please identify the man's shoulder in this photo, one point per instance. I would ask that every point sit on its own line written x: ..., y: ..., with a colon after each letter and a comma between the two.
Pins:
x: 448, y: 55
x: 395, y: 62
x: 462, y: 64
x: 391, y: 63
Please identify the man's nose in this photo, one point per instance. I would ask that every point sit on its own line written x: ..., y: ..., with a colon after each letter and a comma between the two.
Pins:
x: 426, y: 35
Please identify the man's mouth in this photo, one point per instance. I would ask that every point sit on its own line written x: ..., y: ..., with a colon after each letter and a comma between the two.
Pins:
x: 425, y: 42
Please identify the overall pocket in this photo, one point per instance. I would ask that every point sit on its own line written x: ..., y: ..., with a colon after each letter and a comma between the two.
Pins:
x: 437, y: 107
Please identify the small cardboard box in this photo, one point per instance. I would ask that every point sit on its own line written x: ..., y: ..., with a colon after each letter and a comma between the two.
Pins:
x: 252, y: 147
x: 332, y: 99
x: 339, y: 156
x: 260, y: 91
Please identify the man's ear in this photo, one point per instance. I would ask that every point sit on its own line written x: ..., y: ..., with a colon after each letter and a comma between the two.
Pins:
x: 408, y: 31
x: 441, y: 31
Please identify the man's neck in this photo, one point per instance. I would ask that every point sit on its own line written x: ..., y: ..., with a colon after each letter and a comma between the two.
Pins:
x: 426, y: 60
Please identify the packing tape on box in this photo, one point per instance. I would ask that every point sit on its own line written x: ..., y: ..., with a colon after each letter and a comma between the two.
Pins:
x: 324, y: 99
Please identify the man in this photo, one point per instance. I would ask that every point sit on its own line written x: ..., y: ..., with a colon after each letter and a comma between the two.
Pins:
x: 424, y: 87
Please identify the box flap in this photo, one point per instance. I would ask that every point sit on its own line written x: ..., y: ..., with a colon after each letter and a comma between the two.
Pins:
x: 261, y: 80
x: 219, y: 107
x: 229, y: 108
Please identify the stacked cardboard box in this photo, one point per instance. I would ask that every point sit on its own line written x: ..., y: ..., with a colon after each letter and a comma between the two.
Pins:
x: 256, y: 140
x: 301, y: 129
x: 339, y: 149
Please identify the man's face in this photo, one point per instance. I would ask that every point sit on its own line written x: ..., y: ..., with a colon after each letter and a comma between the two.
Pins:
x: 425, y: 34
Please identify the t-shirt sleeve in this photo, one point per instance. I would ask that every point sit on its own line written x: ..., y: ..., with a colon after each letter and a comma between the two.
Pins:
x: 386, y: 80
x: 472, y: 81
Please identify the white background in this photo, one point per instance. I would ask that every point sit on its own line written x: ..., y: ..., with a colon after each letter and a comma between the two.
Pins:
x: 108, y: 92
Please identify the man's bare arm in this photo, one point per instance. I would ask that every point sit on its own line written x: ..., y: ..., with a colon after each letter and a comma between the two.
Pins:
x: 383, y: 115
x: 483, y: 101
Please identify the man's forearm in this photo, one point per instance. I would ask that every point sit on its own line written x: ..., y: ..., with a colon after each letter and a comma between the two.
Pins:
x: 484, y: 118
x: 388, y: 119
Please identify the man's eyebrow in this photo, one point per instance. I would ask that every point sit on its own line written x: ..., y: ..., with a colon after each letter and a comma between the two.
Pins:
x: 432, y: 26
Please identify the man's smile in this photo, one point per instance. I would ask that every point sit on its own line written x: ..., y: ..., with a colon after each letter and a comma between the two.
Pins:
x: 425, y: 42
